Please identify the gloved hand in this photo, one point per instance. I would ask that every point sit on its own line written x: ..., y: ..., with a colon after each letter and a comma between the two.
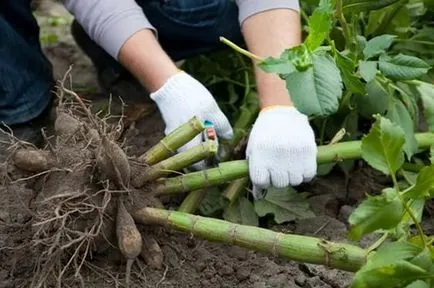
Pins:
x: 183, y: 97
x: 281, y: 150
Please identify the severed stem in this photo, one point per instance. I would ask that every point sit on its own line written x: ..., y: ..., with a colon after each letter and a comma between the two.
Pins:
x: 234, y: 190
x: 192, y: 201
x: 229, y: 171
x: 177, y: 162
x: 174, y: 140
x: 294, y: 247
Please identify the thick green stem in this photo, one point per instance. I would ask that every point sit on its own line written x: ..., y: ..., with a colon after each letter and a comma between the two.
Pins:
x: 233, y: 191
x: 346, y: 29
x: 293, y: 247
x: 225, y: 172
x: 174, y: 140
x: 192, y: 201
x: 240, y: 50
x: 177, y: 162
x: 229, y: 171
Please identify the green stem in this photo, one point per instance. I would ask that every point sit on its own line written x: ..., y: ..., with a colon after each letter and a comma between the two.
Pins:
x: 378, y: 242
x: 234, y: 190
x: 177, y: 162
x: 240, y: 50
x: 415, y: 41
x: 229, y: 171
x: 293, y: 247
x: 174, y: 140
x: 192, y: 201
x: 225, y: 172
x: 412, y: 167
x: 408, y: 210
x: 341, y: 18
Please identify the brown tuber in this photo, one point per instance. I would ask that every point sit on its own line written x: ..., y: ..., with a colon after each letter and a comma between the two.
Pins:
x: 113, y: 163
x: 151, y: 252
x: 31, y: 160
x: 129, y: 238
x: 66, y: 124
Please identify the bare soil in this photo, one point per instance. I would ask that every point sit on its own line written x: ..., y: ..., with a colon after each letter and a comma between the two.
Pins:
x: 188, y: 262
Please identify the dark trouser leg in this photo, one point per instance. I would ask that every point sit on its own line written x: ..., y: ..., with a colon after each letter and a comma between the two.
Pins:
x: 25, y: 73
x: 186, y: 28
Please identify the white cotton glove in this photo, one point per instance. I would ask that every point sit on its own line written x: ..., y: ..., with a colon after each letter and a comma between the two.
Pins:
x: 281, y: 150
x: 183, y: 97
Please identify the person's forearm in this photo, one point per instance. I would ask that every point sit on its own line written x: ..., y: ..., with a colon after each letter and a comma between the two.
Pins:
x: 143, y: 56
x: 268, y: 34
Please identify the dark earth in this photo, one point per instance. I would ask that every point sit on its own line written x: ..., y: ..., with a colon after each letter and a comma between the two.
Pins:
x: 188, y: 262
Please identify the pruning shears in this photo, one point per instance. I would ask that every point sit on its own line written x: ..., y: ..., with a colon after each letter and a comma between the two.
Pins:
x: 210, y: 134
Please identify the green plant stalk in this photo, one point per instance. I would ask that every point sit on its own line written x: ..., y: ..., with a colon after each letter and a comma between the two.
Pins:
x: 293, y: 247
x: 192, y: 201
x: 229, y: 171
x: 174, y: 140
x: 341, y: 18
x: 225, y: 172
x: 249, y: 111
x: 240, y: 50
x: 179, y: 161
x: 233, y: 191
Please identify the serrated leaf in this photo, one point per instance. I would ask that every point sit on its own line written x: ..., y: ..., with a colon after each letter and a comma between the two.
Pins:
x: 400, y: 116
x: 426, y: 92
x: 347, y: 67
x: 402, y: 67
x: 383, y: 146
x: 418, y: 284
x: 322, y: 82
x: 390, y: 267
x: 277, y: 65
x: 319, y: 24
x: 368, y: 70
x: 241, y: 212
x: 356, y: 6
x: 285, y: 204
x: 377, y: 45
x: 424, y: 186
x: 375, y: 101
x: 375, y: 212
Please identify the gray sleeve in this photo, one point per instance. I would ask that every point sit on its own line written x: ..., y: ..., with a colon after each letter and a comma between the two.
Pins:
x: 249, y: 8
x: 109, y: 22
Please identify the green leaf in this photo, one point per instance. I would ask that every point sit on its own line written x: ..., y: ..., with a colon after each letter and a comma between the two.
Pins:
x: 426, y: 91
x: 285, y: 204
x: 390, y: 266
x: 423, y: 260
x: 276, y: 65
x: 399, y: 115
x: 368, y: 70
x: 322, y: 83
x: 319, y: 23
x: 241, y: 212
x: 418, y: 284
x: 378, y: 45
x: 403, y: 67
x: 299, y: 56
x: 212, y: 202
x: 375, y: 212
x: 416, y: 207
x: 424, y: 186
x: 375, y: 101
x: 382, y: 148
x: 356, y: 6
x: 347, y: 67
